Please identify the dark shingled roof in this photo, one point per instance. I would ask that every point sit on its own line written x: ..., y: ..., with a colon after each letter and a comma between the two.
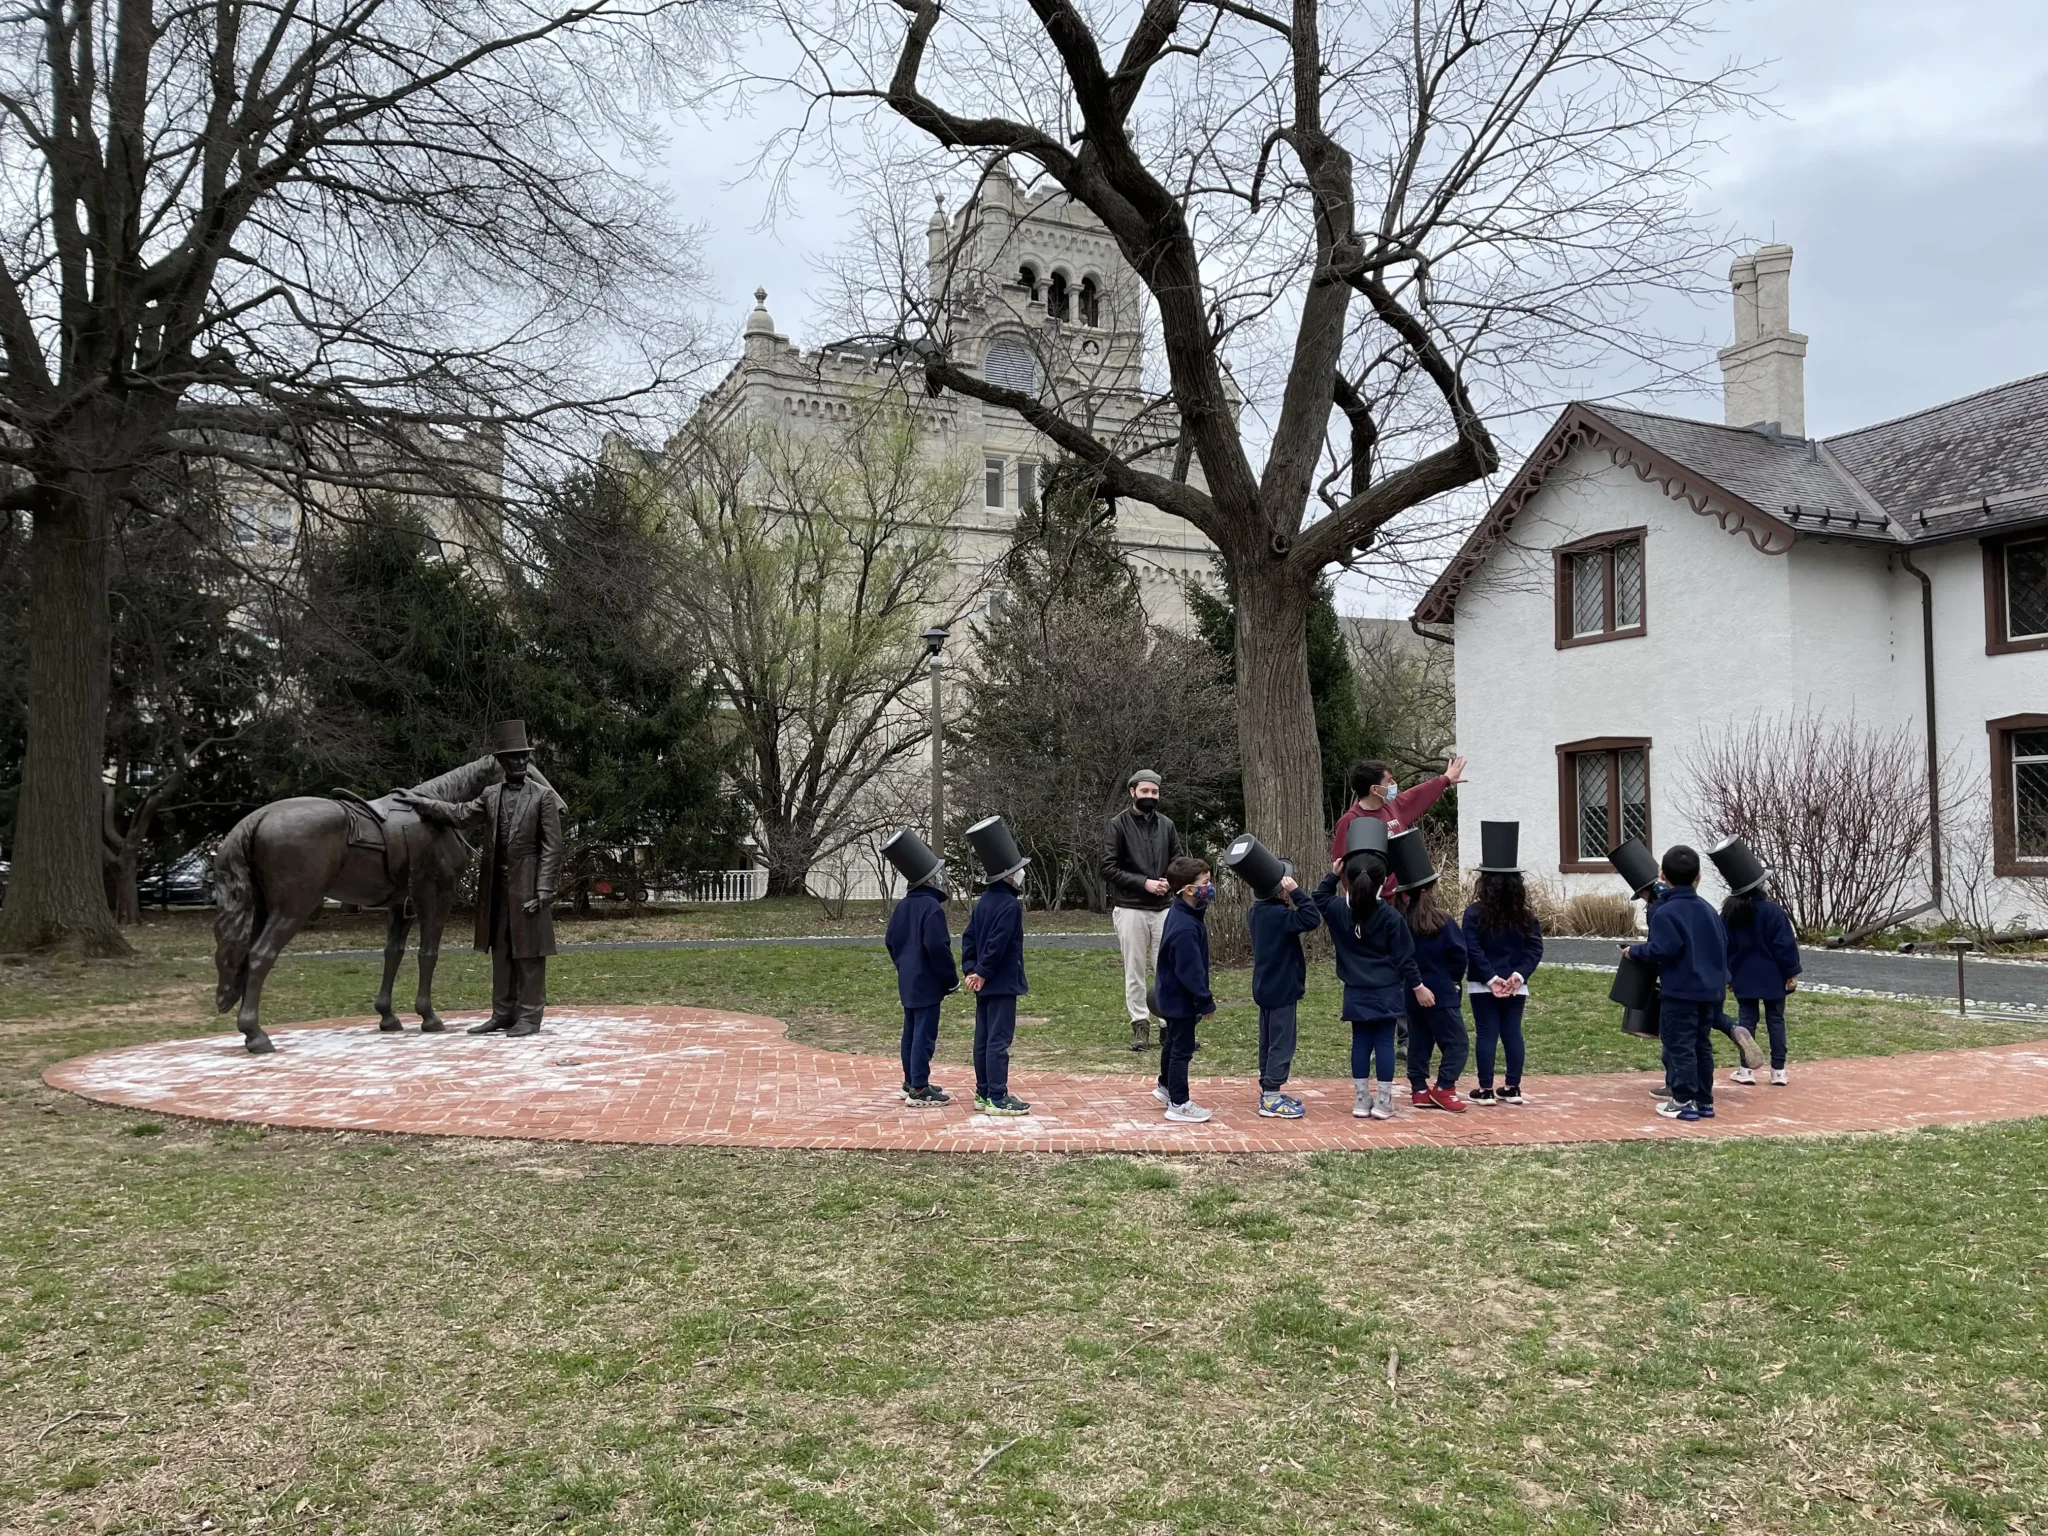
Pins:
x: 1961, y: 470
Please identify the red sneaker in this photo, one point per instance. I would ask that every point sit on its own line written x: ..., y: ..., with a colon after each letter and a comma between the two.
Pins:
x: 1447, y: 1098
x: 1422, y: 1098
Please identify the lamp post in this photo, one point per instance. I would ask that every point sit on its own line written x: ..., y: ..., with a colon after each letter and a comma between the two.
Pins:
x: 934, y: 642
x: 1961, y: 947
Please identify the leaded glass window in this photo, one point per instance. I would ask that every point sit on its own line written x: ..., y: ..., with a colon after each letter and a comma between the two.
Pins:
x: 1593, y: 818
x: 2030, y: 794
x: 1628, y: 585
x: 1600, y: 590
x: 2026, y: 589
x: 1589, y: 593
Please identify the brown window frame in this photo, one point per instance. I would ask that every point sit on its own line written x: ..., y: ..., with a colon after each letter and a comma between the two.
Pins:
x: 1561, y: 586
x: 2005, y: 859
x: 1997, y: 641
x: 1568, y: 797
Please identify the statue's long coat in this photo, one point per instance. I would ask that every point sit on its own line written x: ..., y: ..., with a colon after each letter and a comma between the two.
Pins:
x: 533, y: 864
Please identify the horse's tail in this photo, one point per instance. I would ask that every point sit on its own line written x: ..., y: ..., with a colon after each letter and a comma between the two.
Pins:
x: 238, y: 911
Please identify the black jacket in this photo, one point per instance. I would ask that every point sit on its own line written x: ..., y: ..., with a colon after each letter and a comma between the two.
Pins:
x: 1136, y: 849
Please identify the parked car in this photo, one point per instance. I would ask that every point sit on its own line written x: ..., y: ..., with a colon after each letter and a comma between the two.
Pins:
x: 184, y: 882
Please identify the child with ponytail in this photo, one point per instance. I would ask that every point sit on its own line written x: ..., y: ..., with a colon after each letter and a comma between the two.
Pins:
x: 1375, y: 956
x: 1504, y: 945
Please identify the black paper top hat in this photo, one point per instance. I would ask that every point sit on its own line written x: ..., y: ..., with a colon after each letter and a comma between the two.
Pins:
x: 1741, y: 868
x: 1500, y: 847
x: 1256, y: 865
x: 509, y: 736
x: 912, y: 856
x: 1634, y: 863
x: 1409, y: 858
x: 995, y: 849
x: 1635, y: 985
x: 1366, y: 834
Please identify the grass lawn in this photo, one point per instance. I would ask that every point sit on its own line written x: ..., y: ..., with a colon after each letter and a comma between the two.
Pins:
x: 301, y: 1332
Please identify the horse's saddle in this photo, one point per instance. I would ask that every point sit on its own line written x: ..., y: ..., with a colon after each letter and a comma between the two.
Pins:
x: 388, y: 829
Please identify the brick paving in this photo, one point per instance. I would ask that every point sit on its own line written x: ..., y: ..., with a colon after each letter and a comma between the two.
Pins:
x: 695, y: 1076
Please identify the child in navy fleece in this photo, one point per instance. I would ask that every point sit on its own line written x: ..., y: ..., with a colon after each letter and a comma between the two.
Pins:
x: 1375, y: 956
x: 992, y: 955
x: 1763, y: 965
x: 1503, y: 945
x: 1182, y: 983
x: 1279, y: 977
x: 1689, y: 947
x: 1440, y: 957
x: 923, y: 952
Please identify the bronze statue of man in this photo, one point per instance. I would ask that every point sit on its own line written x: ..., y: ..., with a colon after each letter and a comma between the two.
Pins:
x: 521, y: 823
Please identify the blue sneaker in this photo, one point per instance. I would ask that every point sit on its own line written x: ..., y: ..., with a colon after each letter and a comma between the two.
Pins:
x: 1690, y: 1112
x: 1706, y: 1111
x: 1278, y: 1106
x: 1677, y: 1109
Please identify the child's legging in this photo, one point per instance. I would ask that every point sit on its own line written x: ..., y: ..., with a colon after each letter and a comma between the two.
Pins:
x: 1774, y: 1016
x: 1498, y: 1019
x: 1372, y: 1039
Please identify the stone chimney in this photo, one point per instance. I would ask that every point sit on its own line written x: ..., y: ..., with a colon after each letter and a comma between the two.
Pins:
x: 1763, y: 375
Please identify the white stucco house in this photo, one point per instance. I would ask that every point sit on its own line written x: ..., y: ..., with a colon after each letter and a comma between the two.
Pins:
x: 1646, y: 578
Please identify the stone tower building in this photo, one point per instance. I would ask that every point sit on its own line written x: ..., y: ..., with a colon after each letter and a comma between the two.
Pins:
x: 1032, y: 291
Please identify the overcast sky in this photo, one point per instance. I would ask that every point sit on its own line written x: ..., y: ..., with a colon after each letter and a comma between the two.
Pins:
x: 1907, y: 163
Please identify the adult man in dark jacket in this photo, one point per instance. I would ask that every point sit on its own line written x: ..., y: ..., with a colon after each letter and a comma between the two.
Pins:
x: 521, y: 823
x: 1137, y: 847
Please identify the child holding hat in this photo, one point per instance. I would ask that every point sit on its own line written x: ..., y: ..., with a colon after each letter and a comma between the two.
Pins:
x: 1277, y: 920
x: 922, y: 950
x: 992, y: 955
x: 1375, y: 956
x: 1763, y: 951
x: 1504, y: 945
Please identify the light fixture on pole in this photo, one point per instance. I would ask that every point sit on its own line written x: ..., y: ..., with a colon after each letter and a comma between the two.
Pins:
x: 934, y: 642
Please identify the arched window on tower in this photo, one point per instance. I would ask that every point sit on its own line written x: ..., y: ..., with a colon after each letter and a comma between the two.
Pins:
x: 1056, y: 296
x: 1091, y: 302
x: 1027, y: 279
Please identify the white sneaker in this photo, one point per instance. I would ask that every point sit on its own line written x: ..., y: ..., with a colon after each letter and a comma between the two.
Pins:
x: 1382, y: 1104
x: 1744, y: 1075
x: 1361, y: 1103
x: 1189, y: 1113
x: 1162, y: 1095
x: 1777, y: 1077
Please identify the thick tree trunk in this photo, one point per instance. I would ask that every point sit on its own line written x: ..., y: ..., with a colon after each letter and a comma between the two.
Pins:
x: 1276, y: 715
x: 56, y: 894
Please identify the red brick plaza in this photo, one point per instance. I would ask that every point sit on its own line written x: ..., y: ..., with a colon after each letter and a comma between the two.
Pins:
x: 693, y: 1076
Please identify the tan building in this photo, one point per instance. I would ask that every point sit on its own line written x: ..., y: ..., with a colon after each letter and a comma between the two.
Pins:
x: 1033, y: 293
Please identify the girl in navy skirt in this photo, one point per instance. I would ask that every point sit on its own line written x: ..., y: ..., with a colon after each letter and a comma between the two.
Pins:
x: 1503, y: 946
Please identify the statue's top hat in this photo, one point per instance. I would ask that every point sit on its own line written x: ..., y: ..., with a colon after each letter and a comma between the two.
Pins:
x: 912, y: 856
x: 1500, y: 847
x: 1409, y: 858
x: 995, y: 849
x: 1635, y: 984
x: 509, y: 736
x: 1741, y: 868
x: 1634, y: 863
x: 1366, y: 834
x: 1256, y: 865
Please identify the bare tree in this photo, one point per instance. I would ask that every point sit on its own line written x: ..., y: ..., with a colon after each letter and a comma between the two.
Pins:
x: 807, y: 564
x: 308, y: 242
x: 1839, y: 809
x: 1362, y: 236
x: 1407, y: 695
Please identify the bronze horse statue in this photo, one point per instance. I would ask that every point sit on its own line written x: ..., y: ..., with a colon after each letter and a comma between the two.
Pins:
x: 282, y: 861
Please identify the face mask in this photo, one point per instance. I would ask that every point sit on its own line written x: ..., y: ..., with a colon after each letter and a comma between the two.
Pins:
x: 1200, y: 895
x: 1388, y: 790
x: 1147, y: 804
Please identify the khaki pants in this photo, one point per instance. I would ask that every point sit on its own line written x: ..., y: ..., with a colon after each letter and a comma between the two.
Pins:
x: 1137, y: 935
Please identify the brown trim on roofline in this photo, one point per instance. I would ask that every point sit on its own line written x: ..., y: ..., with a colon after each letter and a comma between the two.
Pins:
x: 1580, y: 426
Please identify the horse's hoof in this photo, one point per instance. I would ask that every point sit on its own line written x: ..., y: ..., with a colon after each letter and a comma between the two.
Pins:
x: 391, y: 1024
x: 258, y: 1043
x: 429, y: 1025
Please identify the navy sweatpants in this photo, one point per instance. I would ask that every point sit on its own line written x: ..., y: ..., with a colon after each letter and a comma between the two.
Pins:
x: 995, y: 1025
x: 1498, y: 1020
x: 1276, y: 1047
x: 920, y: 1039
x: 1372, y: 1050
x: 1442, y: 1029
x: 1774, y: 1018
x: 1176, y: 1050
x: 1688, y: 1036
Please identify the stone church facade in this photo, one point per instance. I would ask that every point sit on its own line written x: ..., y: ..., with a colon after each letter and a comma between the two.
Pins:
x: 1032, y: 292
